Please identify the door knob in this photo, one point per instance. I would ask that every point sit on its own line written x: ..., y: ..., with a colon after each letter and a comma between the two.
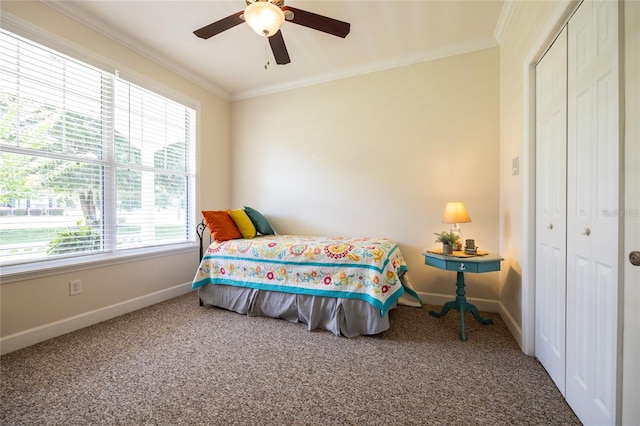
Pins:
x: 550, y: 226
x: 586, y: 231
x: 634, y: 258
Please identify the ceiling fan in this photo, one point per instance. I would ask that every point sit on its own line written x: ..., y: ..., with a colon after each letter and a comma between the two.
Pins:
x: 266, y: 17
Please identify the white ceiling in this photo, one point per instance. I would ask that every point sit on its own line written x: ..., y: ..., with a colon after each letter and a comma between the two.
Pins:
x: 384, y: 34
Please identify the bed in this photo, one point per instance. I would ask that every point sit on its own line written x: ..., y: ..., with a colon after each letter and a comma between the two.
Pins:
x: 343, y: 285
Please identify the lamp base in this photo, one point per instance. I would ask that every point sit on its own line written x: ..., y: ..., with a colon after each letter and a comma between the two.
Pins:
x: 456, y: 230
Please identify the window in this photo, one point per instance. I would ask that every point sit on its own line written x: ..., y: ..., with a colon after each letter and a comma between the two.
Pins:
x: 90, y: 164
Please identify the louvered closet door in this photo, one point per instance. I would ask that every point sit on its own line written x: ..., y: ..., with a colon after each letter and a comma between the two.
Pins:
x: 551, y: 211
x: 593, y: 206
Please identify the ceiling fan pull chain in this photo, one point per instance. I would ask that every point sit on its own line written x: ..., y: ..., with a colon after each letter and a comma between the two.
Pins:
x: 266, y: 53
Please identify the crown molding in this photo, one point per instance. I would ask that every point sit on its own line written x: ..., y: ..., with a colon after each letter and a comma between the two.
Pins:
x: 508, y: 9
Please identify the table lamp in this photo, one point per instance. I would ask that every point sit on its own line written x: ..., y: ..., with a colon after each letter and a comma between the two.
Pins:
x: 455, y: 212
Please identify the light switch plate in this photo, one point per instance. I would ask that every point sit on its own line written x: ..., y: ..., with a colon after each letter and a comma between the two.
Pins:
x: 515, y: 166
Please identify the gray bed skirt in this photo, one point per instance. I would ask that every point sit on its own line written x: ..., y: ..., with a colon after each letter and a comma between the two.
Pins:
x: 342, y: 317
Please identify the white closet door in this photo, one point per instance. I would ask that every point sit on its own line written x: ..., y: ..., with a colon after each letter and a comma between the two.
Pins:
x: 593, y: 251
x: 551, y: 211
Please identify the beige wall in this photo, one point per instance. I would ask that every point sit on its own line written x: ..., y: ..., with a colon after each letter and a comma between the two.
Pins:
x: 40, y: 302
x: 379, y: 154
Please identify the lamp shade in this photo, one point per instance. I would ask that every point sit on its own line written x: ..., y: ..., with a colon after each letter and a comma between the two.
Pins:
x: 264, y: 17
x: 455, y: 212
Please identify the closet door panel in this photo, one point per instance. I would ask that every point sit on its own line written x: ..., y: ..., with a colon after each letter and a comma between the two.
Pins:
x: 607, y: 149
x: 551, y: 156
x: 579, y: 353
x: 593, y: 148
x: 580, y: 163
x: 605, y: 336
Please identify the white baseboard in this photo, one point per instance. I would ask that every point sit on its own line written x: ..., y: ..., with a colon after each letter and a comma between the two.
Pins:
x: 486, y: 305
x: 20, y: 340
x: 512, y: 325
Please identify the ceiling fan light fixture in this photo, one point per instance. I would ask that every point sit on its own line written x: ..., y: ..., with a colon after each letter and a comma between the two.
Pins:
x: 264, y: 17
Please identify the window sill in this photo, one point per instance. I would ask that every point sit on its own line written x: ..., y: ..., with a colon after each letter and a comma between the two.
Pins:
x: 10, y: 274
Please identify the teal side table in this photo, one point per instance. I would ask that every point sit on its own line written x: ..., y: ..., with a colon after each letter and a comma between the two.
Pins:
x: 476, y: 264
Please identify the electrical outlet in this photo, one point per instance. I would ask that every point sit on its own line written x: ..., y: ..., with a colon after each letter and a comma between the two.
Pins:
x: 75, y: 287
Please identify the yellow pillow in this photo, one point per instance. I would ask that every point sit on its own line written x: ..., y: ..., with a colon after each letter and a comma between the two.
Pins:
x: 244, y: 224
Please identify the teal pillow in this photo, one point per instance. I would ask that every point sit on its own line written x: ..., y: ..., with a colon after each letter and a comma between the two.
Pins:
x: 259, y: 221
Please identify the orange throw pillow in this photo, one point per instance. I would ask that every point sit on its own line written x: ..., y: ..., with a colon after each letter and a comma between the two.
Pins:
x: 221, y: 225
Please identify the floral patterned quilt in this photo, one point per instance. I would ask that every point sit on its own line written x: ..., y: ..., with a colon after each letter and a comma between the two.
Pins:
x: 369, y: 269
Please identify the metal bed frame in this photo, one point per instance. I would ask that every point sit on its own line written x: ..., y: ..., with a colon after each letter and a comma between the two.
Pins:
x: 200, y: 228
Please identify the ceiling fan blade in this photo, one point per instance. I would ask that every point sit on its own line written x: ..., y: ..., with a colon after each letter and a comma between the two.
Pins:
x: 279, y: 49
x: 319, y: 22
x: 220, y: 26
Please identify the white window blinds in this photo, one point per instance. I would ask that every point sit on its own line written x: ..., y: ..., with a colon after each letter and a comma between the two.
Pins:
x: 89, y: 164
x: 152, y: 149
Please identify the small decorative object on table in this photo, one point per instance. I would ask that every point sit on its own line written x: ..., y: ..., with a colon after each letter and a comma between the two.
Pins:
x: 448, y: 240
x: 470, y: 247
